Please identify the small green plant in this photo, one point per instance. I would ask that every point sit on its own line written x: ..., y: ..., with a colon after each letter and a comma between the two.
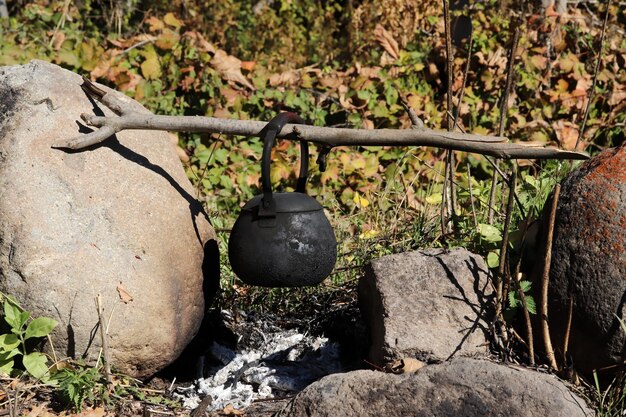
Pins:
x: 22, y: 329
x: 611, y: 400
x: 515, y: 300
x: 79, y: 383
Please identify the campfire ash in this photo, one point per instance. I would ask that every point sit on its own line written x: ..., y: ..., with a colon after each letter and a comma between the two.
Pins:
x: 275, y: 363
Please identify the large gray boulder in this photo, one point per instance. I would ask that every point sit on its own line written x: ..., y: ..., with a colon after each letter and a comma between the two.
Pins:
x: 589, y: 261
x: 428, y: 304
x: 118, y: 220
x: 459, y: 388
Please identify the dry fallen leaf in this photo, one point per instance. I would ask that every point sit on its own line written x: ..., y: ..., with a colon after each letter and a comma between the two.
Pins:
x: 40, y: 410
x: 617, y: 95
x: 248, y: 65
x: 386, y: 40
x: 370, y: 72
x: 127, y: 43
x: 96, y: 412
x: 567, y: 134
x: 406, y: 366
x: 124, y: 295
x: 287, y: 78
x: 331, y: 81
x: 57, y: 39
x: 198, y: 41
x: 230, y: 68
x: 229, y: 410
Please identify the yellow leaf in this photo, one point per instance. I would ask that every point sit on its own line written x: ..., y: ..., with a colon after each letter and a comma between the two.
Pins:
x: 167, y: 40
x: 567, y: 62
x: 434, y: 198
x: 348, y: 168
x: 358, y: 162
x: 151, y: 69
x: 171, y: 20
x: 539, y: 62
x: 155, y: 24
x: 368, y: 234
x: 331, y: 173
x: 561, y: 86
x: 68, y: 57
x: 359, y: 200
x: 371, y: 166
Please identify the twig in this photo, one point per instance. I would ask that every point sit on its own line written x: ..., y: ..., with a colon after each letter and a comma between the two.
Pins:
x: 130, y: 119
x: 61, y: 22
x: 492, y: 195
x: 509, y: 80
x: 544, y: 281
x: 500, y: 295
x: 449, y: 60
x: 595, y: 76
x: 105, y: 344
x: 471, y: 194
x: 449, y: 191
x: 568, y: 325
x: 416, y: 122
x: 54, y: 353
x: 200, y: 410
x: 503, y: 111
x: 527, y: 321
x: 457, y: 112
x: 137, y: 45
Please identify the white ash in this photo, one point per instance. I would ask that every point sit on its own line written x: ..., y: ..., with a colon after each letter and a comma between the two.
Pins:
x: 285, y: 363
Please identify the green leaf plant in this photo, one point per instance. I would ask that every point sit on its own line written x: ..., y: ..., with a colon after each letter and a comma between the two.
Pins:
x: 515, y: 301
x: 13, y: 342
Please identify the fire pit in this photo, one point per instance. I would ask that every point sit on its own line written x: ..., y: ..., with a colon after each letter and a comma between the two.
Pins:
x: 270, y: 362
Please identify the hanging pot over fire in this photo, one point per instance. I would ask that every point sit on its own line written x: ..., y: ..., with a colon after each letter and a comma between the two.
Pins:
x: 282, y: 239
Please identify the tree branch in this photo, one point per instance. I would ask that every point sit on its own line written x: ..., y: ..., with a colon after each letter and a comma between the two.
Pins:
x: 130, y: 119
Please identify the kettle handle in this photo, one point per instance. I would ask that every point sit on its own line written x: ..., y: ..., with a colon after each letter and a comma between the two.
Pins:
x: 267, y: 207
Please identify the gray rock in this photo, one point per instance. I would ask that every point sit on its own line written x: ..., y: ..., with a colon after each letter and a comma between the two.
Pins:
x: 429, y: 304
x: 77, y: 224
x: 462, y: 387
x: 589, y: 261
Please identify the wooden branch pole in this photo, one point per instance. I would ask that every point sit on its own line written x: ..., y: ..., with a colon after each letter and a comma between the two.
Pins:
x: 543, y: 305
x: 104, y: 340
x: 129, y: 119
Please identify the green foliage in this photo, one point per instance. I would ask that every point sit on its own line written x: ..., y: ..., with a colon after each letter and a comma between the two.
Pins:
x: 611, y: 398
x: 78, y: 384
x: 13, y: 344
x: 515, y: 300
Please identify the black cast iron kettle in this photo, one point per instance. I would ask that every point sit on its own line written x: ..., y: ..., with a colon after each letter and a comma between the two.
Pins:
x: 282, y: 239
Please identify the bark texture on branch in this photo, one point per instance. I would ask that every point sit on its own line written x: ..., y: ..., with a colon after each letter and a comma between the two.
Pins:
x: 496, y: 146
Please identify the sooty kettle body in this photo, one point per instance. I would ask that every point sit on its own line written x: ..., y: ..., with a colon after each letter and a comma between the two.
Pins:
x: 282, y: 239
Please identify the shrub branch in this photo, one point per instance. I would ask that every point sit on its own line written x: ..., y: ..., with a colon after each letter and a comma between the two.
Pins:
x: 543, y: 305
